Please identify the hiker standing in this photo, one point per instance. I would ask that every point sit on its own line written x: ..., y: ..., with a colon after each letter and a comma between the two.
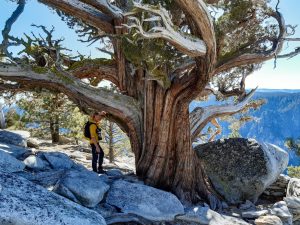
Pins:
x: 93, y: 133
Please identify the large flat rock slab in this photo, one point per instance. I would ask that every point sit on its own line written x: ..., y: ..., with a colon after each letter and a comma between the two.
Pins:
x: 10, y: 164
x: 57, y: 160
x: 15, y: 151
x: 24, y: 203
x: 84, y: 187
x: 18, y: 138
x: 145, y: 201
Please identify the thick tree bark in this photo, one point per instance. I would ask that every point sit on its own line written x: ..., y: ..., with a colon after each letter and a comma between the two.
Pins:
x: 167, y: 160
x: 110, y: 142
x: 54, y: 129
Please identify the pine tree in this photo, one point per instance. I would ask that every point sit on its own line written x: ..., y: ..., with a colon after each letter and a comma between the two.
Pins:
x: 47, y: 113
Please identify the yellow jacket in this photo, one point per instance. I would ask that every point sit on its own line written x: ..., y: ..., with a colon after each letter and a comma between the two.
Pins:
x: 93, y: 130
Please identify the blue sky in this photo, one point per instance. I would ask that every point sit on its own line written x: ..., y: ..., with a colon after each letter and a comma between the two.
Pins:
x: 285, y: 76
x: 39, y: 14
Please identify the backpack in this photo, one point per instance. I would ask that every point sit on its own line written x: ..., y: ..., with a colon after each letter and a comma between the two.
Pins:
x: 87, y: 132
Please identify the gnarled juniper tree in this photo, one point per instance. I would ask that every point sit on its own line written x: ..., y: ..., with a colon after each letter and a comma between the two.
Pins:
x: 164, y: 54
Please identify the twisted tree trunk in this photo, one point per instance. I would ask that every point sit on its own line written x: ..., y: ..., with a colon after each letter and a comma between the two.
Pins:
x: 167, y: 160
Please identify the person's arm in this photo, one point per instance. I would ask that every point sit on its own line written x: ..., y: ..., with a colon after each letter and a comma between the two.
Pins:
x: 93, y: 128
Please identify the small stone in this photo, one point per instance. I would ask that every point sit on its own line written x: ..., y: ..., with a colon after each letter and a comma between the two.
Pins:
x: 247, y: 206
x: 114, y: 172
x: 254, y: 214
x: 293, y: 204
x: 35, y: 163
x: 225, y: 205
x: 268, y: 220
x: 281, y: 210
x: 204, y: 215
x: 293, y: 189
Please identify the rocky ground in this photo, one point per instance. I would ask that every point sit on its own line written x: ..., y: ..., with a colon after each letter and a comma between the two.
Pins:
x: 53, y: 184
x: 81, y: 154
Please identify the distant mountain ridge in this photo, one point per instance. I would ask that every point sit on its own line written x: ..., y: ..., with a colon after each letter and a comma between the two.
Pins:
x: 278, y: 90
x: 276, y: 120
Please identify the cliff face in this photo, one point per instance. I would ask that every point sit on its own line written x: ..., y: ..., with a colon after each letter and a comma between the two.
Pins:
x: 275, y: 121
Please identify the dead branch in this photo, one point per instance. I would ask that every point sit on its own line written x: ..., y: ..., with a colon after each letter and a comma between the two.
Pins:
x: 189, y: 45
x: 203, y: 115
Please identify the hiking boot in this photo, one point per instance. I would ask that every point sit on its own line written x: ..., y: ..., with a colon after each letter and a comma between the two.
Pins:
x: 101, y: 171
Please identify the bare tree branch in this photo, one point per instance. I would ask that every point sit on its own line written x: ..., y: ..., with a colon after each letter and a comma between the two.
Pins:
x: 241, y: 58
x: 125, y: 110
x: 201, y: 17
x: 199, y: 117
x: 188, y: 45
x: 11, y: 87
x: 218, y: 129
x: 98, y: 70
x: 105, y: 7
x: 183, y: 69
x: 291, y: 54
x: 84, y: 12
x: 45, y: 51
x: 212, y: 1
x: 292, y: 39
x: 106, y: 51
x: 8, y: 25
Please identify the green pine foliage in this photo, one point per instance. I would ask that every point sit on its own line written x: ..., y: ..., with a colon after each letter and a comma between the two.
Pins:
x: 13, y: 120
x: 74, y: 121
x: 293, y: 144
x: 156, y: 56
x: 115, y: 141
x: 294, y: 171
x: 49, y: 112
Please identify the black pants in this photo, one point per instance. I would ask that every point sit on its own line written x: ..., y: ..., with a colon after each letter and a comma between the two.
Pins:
x: 97, y: 157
